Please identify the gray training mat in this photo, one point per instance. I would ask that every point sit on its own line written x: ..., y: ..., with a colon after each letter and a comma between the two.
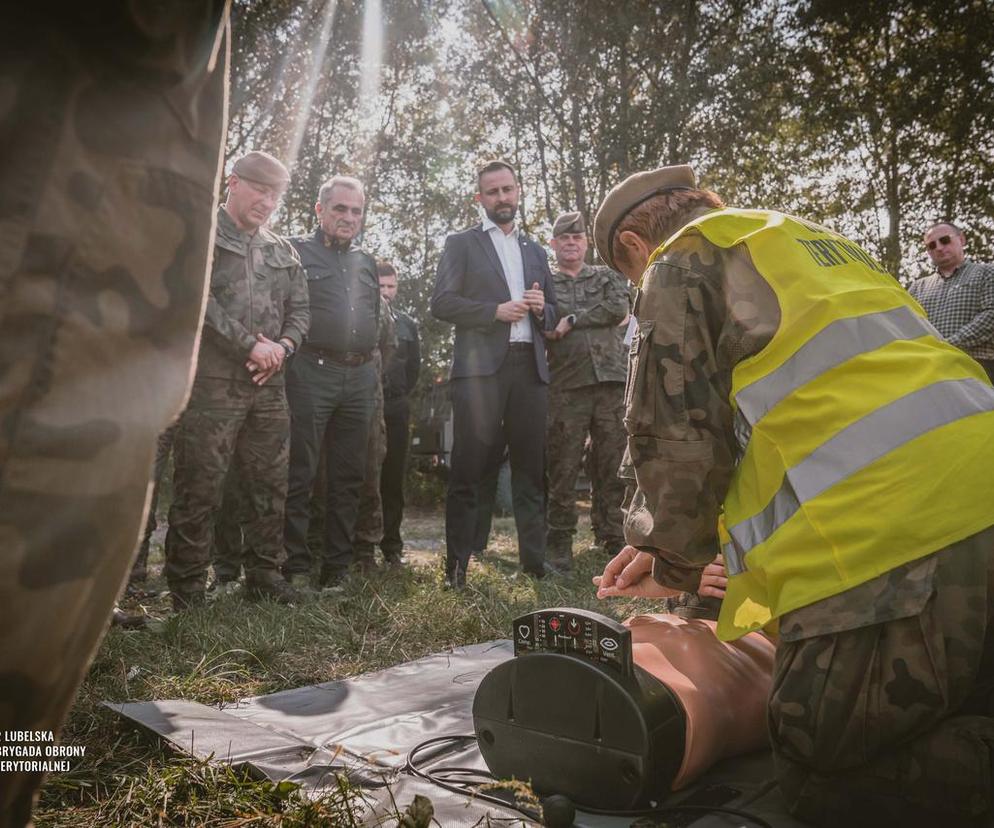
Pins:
x: 365, y: 726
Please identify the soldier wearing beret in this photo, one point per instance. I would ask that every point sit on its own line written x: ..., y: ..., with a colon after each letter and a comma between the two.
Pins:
x: 782, y: 377
x: 586, y: 392
x: 257, y: 315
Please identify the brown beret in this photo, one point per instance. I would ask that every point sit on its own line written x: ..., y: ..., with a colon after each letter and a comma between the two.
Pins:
x: 629, y: 194
x: 261, y: 167
x: 569, y: 223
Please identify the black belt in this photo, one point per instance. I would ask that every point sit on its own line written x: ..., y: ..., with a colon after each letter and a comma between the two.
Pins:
x: 350, y: 358
x: 521, y: 346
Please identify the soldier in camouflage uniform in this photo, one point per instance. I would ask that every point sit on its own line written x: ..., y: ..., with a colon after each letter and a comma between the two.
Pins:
x: 880, y: 711
x: 369, y: 521
x: 257, y: 316
x: 107, y: 187
x: 586, y: 392
x: 229, y: 549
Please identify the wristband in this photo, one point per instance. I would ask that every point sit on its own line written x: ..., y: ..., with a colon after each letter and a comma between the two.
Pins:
x: 288, y: 348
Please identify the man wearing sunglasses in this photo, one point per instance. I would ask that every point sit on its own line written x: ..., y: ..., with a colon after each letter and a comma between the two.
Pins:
x: 959, y: 297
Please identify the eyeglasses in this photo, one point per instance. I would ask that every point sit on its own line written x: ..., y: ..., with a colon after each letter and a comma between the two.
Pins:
x: 943, y: 240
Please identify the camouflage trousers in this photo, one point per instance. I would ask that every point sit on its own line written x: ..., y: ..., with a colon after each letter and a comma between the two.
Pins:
x: 229, y: 550
x: 597, y: 410
x: 891, y: 723
x: 111, y: 131
x: 228, y: 540
x: 228, y: 426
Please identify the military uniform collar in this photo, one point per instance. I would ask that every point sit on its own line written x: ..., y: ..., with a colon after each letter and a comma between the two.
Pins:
x: 231, y: 233
x: 585, y: 271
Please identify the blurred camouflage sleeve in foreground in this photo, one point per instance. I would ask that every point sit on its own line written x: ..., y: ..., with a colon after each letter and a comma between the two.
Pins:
x: 111, y: 126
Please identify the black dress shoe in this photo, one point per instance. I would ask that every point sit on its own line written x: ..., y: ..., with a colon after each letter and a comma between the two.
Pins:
x: 456, y: 579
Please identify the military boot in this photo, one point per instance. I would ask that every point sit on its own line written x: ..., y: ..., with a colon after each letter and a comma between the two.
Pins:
x: 559, y: 549
x: 364, y: 557
x: 272, y: 589
x: 300, y: 580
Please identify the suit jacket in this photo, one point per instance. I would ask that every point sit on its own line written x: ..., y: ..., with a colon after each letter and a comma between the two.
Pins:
x: 470, y: 284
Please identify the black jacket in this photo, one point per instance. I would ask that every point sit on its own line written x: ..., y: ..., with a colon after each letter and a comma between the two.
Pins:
x: 470, y: 284
x: 401, y: 372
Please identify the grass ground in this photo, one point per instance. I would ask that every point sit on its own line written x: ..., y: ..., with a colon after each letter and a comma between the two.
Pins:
x: 233, y: 648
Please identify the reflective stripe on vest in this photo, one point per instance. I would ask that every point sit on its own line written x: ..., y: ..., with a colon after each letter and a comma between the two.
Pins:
x: 855, y: 447
x: 831, y: 346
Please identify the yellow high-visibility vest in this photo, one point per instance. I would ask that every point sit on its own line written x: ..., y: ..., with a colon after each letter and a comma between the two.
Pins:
x: 867, y: 441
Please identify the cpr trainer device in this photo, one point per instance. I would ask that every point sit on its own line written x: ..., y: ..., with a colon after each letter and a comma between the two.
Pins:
x: 572, y: 713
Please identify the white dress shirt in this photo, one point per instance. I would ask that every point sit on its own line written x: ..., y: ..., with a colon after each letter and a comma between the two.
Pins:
x: 509, y: 253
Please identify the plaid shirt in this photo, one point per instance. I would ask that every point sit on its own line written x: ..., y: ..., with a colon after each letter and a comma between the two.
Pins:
x: 961, y: 306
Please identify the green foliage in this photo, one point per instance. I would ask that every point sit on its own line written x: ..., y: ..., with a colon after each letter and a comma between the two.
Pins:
x: 874, y: 117
x: 897, y: 111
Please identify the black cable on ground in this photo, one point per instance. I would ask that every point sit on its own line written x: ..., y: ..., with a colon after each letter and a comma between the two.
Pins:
x: 439, y: 776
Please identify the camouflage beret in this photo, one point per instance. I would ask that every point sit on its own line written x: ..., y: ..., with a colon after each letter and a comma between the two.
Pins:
x: 261, y: 167
x: 629, y: 194
x: 569, y: 223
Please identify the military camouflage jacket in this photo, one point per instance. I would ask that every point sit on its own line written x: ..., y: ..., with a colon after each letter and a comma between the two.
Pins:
x: 701, y: 310
x: 257, y: 286
x: 593, y: 350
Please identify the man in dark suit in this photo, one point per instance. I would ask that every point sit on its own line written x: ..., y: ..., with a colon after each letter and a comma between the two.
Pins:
x: 494, y: 285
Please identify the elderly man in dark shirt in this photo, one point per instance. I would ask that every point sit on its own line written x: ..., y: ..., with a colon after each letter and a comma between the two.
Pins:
x: 331, y: 383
